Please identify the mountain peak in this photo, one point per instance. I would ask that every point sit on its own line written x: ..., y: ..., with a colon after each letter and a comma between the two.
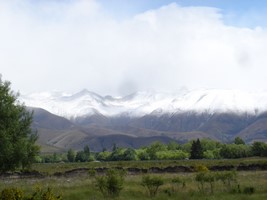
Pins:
x: 86, y: 103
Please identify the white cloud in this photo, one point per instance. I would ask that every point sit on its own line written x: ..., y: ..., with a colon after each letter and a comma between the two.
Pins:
x: 74, y: 45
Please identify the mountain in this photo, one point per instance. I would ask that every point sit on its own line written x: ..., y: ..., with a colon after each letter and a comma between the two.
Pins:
x: 71, y: 120
x: 86, y: 103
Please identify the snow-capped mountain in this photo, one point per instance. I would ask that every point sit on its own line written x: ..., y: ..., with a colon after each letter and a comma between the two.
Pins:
x: 86, y: 103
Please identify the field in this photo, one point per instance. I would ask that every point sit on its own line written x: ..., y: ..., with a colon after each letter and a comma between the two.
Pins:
x: 65, y: 179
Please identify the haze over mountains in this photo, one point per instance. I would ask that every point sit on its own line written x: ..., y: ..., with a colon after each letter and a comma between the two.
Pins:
x: 73, y: 120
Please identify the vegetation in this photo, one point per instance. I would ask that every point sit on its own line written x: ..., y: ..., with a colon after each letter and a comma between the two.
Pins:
x: 245, y: 185
x: 196, y: 149
x: 17, y: 143
x: 111, y: 184
x: 152, y: 184
x: 38, y: 194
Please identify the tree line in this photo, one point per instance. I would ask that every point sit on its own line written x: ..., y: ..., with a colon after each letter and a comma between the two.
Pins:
x: 195, y: 149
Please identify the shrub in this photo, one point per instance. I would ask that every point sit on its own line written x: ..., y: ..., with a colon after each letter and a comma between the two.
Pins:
x: 111, y: 184
x: 152, y: 184
x: 249, y: 190
x: 11, y: 194
x: 206, y: 177
x: 227, y: 178
x: 38, y: 194
x: 178, y: 182
x: 201, y: 168
x: 41, y: 194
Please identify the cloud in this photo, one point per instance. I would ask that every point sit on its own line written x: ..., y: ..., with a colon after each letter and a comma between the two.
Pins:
x: 71, y: 45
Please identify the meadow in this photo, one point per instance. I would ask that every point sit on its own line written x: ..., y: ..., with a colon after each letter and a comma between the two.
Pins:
x: 81, y: 186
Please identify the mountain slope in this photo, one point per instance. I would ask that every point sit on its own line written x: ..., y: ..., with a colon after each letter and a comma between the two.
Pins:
x: 70, y: 121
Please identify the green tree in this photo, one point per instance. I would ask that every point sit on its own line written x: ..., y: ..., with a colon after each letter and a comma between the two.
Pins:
x: 71, y: 155
x: 17, y: 140
x: 87, y: 153
x: 196, y: 150
x: 235, y: 151
x: 239, y: 140
x: 80, y: 156
x: 154, y: 148
x: 259, y: 149
x: 129, y: 154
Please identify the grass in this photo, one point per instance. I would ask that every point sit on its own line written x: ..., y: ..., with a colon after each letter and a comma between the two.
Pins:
x: 51, y: 168
x: 81, y: 187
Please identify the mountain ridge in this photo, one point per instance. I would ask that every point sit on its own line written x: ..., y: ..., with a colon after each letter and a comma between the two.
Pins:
x: 72, y: 120
x: 86, y: 103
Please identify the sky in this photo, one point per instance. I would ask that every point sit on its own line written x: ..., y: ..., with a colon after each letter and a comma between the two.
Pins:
x: 117, y: 47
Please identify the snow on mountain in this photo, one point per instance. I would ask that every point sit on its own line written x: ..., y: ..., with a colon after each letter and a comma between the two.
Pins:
x: 86, y: 103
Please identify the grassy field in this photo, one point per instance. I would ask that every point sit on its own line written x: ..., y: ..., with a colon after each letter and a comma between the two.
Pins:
x: 82, y: 187
x: 51, y: 168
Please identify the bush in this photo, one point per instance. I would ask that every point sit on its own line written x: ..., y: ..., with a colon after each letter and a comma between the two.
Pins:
x: 42, y: 194
x: 11, y: 194
x: 227, y: 178
x: 152, y: 184
x: 249, y: 190
x: 38, y: 194
x: 111, y: 184
x: 206, y: 177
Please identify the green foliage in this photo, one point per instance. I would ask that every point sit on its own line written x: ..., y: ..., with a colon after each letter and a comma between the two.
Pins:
x: 152, y: 184
x: 259, y: 149
x: 208, y: 144
x: 11, y: 194
x: 171, y: 155
x: 239, y: 140
x: 142, y: 154
x: 44, y: 194
x: 206, y: 177
x: 129, y: 154
x: 196, y: 150
x: 235, y: 151
x: 173, y: 146
x: 38, y: 194
x: 111, y: 184
x: 84, y: 156
x: 17, y: 144
x: 71, y: 155
x: 154, y: 148
x: 227, y: 178
x: 103, y: 156
x: 178, y: 182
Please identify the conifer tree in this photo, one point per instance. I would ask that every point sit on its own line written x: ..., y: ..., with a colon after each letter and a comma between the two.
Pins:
x: 196, y: 150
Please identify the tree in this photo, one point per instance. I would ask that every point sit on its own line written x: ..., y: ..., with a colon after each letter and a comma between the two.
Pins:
x: 17, y: 140
x: 154, y: 148
x: 239, y: 140
x: 129, y: 154
x: 196, y: 150
x: 71, y: 155
x: 80, y: 156
x: 259, y: 149
x: 87, y: 153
